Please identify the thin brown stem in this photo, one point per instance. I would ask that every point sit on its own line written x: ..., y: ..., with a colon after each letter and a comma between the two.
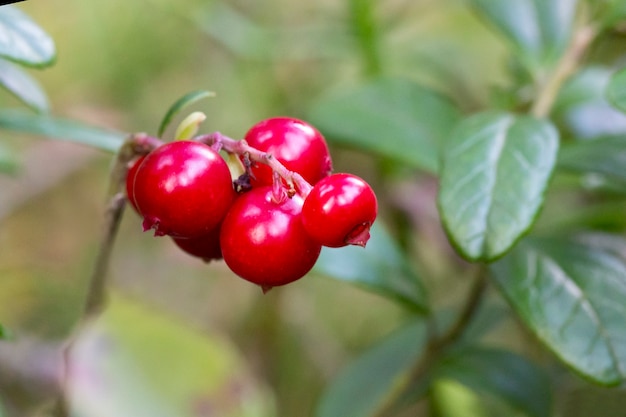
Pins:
x: 549, y: 89
x: 240, y: 147
x: 437, y: 344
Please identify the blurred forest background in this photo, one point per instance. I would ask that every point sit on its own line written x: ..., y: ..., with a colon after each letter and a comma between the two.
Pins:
x: 194, y: 331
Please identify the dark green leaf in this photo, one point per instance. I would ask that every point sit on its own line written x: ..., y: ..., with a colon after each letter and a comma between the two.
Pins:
x: 380, y: 267
x: 582, y: 105
x: 496, y: 168
x: 539, y: 30
x: 23, y: 41
x: 503, y: 374
x: 3, y: 332
x: 605, y: 156
x: 571, y: 294
x: 180, y: 104
x: 394, y: 118
x: 23, y: 86
x: 62, y: 129
x: 616, y: 90
x: 362, y: 387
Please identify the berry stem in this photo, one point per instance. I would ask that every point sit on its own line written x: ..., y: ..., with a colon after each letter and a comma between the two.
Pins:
x: 241, y: 147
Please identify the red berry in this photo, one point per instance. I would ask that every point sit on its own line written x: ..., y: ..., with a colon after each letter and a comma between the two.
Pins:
x: 264, y: 241
x: 183, y: 189
x: 340, y: 210
x: 296, y: 144
x: 207, y: 247
x: 130, y: 181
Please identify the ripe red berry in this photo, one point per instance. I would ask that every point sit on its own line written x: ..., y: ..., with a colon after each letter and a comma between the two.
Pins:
x: 207, y: 247
x: 183, y: 189
x: 340, y: 211
x: 296, y: 144
x: 130, y: 181
x: 264, y: 242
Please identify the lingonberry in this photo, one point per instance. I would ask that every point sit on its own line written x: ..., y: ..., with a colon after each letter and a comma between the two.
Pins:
x: 130, y: 181
x: 183, y: 189
x: 264, y: 242
x: 296, y: 144
x: 340, y: 210
x: 207, y: 247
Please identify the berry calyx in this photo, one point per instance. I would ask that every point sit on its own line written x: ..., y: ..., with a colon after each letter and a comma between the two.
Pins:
x: 340, y: 210
x: 183, y: 189
x: 206, y: 247
x: 295, y: 144
x: 264, y: 242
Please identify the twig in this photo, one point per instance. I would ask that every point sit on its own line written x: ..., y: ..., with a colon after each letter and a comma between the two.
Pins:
x: 437, y: 344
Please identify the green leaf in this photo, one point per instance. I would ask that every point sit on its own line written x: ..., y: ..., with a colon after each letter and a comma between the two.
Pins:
x: 23, y: 86
x: 583, y: 108
x: 134, y: 361
x: 539, y: 30
x: 3, y: 332
x: 63, y: 129
x: 395, y: 118
x: 362, y: 387
x: 23, y: 41
x: 616, y: 90
x: 495, y: 171
x: 448, y: 398
x: 571, y: 294
x: 180, y: 104
x: 380, y: 267
x: 503, y: 374
x: 605, y: 156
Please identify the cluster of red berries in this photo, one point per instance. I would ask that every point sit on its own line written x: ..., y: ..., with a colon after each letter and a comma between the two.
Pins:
x: 270, y: 223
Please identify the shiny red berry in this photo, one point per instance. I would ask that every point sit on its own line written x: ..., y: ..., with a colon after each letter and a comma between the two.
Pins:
x: 296, y: 144
x: 183, y: 189
x: 264, y: 242
x: 130, y: 181
x: 206, y: 247
x: 340, y: 210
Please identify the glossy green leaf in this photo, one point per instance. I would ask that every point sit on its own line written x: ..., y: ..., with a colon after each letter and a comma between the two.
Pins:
x: 63, y: 129
x: 571, y: 294
x: 180, y: 104
x: 23, y: 41
x: 539, y: 30
x: 362, y: 387
x: 22, y: 86
x: 502, y: 374
x: 582, y: 106
x: 604, y: 156
x: 616, y: 90
x: 496, y: 168
x: 136, y: 362
x: 395, y: 118
x: 380, y: 267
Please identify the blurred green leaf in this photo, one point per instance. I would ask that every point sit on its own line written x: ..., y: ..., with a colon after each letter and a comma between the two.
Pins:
x: 180, y: 104
x: 539, y: 30
x: 23, y: 86
x: 582, y: 105
x: 605, y: 156
x: 616, y: 90
x: 362, y: 387
x: 8, y: 161
x: 503, y: 374
x: 495, y: 171
x: 3, y: 332
x: 380, y: 267
x: 23, y: 41
x: 449, y: 398
x: 571, y: 294
x: 135, y: 362
x: 612, y: 11
x: 63, y: 129
x: 394, y: 118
